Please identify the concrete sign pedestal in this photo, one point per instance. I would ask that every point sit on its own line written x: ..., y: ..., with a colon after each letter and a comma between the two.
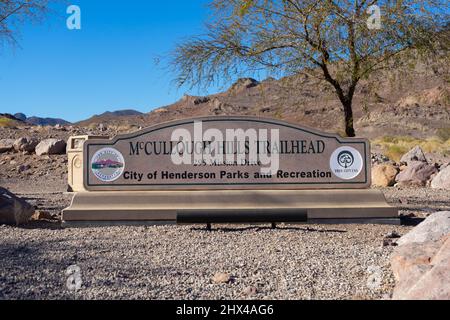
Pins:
x: 161, y: 207
x: 145, y: 178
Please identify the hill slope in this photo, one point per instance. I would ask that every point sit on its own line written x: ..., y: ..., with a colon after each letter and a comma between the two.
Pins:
x: 414, y: 103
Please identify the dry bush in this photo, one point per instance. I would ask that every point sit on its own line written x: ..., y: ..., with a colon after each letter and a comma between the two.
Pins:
x: 394, y: 147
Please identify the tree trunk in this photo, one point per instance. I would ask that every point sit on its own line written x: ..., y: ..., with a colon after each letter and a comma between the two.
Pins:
x: 348, y: 112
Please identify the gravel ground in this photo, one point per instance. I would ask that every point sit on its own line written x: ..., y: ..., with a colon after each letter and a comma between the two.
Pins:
x: 293, y: 262
x: 170, y: 262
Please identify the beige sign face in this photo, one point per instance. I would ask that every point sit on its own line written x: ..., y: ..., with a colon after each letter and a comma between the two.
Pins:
x: 226, y: 153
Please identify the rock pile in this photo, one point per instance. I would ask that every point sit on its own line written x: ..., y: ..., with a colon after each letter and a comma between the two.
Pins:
x: 26, y: 144
x: 414, y: 170
x: 29, y: 145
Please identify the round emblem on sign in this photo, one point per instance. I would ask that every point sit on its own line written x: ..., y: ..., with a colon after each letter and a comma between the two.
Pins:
x: 108, y: 164
x: 345, y: 159
x: 346, y: 163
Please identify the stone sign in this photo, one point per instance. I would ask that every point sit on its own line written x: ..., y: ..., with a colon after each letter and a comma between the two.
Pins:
x: 226, y: 153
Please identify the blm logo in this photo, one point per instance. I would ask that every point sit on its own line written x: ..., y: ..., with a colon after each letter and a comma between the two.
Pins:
x: 346, y: 163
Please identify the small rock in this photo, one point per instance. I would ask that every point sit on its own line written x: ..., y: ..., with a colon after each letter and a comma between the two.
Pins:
x: 6, y: 145
x: 42, y: 215
x: 23, y: 168
x: 250, y: 291
x: 415, y: 154
x: 378, y: 158
x: 392, y: 235
x: 387, y: 242
x: 60, y: 127
x: 222, y: 277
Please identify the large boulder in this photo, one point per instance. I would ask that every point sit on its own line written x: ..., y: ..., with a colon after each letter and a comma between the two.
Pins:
x: 422, y: 271
x: 6, y: 145
x: 433, y: 228
x: 383, y: 175
x: 416, y: 174
x: 13, y: 210
x: 51, y: 146
x: 25, y: 144
x: 442, y: 179
x: 413, y: 155
x: 421, y: 262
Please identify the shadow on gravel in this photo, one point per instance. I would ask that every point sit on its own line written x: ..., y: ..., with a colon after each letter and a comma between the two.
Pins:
x: 42, y: 225
x: 29, y: 271
x: 257, y: 229
x: 411, y: 221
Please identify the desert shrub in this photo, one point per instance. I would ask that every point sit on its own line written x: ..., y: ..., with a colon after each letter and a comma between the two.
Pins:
x: 6, y: 123
x: 443, y: 133
x: 394, y: 147
x: 395, y: 152
x: 92, y: 126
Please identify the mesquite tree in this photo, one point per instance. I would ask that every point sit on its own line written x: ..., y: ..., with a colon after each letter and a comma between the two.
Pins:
x: 339, y: 42
x: 15, y: 12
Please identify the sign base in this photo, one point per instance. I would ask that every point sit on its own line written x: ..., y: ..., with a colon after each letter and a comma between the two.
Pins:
x: 101, y: 208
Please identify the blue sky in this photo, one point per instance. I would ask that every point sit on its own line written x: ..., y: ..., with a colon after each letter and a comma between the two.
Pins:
x: 107, y: 65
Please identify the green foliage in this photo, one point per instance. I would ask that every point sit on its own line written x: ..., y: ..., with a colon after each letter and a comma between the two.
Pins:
x: 394, y: 147
x: 329, y: 40
x: 7, y: 123
x: 290, y: 36
x: 395, y: 152
x: 13, y: 13
x: 443, y: 133
x: 246, y: 4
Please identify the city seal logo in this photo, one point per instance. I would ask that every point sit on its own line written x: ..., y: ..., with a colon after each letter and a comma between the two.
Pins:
x: 346, y: 163
x: 107, y: 164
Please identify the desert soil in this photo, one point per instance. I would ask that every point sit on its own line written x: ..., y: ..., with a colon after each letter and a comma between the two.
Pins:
x: 170, y: 262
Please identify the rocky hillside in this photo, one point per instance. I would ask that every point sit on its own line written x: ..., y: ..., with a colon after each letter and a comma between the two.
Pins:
x: 38, y: 121
x: 413, y: 103
x: 110, y: 116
